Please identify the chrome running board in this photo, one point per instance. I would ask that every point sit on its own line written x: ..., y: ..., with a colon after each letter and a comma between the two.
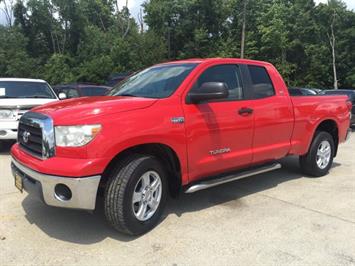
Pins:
x: 229, y: 178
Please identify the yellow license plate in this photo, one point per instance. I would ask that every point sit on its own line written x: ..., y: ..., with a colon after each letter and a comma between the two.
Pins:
x: 18, y: 182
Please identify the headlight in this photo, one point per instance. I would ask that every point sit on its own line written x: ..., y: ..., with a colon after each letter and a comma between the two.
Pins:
x: 6, y: 114
x: 75, y: 136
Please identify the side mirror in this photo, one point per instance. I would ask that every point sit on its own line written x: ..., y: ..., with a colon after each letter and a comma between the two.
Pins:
x: 62, y: 96
x: 208, y: 91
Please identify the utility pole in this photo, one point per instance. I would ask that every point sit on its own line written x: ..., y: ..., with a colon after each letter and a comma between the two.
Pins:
x: 332, y: 45
x: 169, y: 43
x: 242, y: 44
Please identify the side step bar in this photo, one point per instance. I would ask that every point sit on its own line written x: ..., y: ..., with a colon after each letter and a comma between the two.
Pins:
x: 229, y: 178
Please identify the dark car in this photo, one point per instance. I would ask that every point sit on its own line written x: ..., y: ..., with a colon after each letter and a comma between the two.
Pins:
x: 301, y: 92
x: 81, y: 90
x: 116, y: 78
x: 350, y: 94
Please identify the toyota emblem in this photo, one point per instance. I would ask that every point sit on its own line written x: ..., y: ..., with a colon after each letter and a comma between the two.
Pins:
x: 26, y: 135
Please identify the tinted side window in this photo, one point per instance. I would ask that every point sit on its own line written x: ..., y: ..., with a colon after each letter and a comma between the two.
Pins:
x: 71, y: 93
x: 295, y: 92
x: 228, y: 74
x: 261, y: 82
x: 93, y: 91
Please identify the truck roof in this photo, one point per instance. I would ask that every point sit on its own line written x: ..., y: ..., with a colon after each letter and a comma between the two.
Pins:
x: 217, y: 59
x: 23, y: 80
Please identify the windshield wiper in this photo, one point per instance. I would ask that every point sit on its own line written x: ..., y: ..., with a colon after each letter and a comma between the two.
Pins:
x: 8, y: 97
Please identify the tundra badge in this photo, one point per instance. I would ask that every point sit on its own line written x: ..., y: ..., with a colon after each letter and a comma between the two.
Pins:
x: 220, y: 151
x: 178, y: 120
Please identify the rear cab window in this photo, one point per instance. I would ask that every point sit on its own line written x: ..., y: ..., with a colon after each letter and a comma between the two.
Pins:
x: 261, y: 82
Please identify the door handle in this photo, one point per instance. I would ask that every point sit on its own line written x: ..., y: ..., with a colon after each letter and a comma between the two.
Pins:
x: 245, y: 111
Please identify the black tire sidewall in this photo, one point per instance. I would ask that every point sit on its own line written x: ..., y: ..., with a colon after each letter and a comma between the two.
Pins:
x: 132, y: 223
x: 312, y: 156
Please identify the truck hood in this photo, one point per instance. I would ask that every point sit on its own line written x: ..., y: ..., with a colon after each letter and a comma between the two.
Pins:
x: 24, y: 103
x: 81, y: 110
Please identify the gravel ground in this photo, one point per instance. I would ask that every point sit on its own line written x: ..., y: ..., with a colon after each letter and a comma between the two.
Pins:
x: 276, y: 218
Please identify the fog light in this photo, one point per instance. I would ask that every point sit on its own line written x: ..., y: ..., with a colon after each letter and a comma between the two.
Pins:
x: 62, y: 192
x: 2, y: 132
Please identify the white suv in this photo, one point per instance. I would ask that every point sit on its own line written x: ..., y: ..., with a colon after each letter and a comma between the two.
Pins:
x: 18, y: 96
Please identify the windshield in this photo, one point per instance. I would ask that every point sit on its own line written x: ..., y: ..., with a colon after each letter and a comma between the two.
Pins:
x: 154, y: 82
x: 23, y: 89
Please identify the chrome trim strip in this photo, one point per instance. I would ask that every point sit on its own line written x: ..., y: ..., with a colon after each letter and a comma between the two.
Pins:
x: 215, y: 182
x: 84, y: 190
x: 46, y: 124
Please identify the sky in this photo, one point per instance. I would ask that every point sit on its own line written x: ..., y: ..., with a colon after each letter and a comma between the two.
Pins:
x: 135, y: 5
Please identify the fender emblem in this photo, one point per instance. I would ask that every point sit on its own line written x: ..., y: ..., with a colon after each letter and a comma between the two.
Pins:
x: 177, y: 120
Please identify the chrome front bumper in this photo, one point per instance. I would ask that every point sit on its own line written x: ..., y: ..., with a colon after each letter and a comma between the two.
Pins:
x: 8, y: 134
x: 83, y: 190
x: 8, y: 130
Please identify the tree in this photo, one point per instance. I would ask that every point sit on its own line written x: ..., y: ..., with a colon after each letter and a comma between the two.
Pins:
x: 58, y: 69
x: 330, y: 17
x: 14, y: 59
x: 275, y: 37
x: 87, y: 40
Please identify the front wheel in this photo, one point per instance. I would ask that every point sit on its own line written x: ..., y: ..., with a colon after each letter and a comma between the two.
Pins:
x: 136, y: 194
x: 319, y: 158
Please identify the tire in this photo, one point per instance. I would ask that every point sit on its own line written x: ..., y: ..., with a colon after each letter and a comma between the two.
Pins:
x: 308, y: 162
x: 131, y: 176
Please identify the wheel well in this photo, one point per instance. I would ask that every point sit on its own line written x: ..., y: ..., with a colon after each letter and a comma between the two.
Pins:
x: 163, y: 152
x: 331, y: 127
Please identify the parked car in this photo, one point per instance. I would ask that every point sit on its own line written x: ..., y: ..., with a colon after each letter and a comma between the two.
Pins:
x: 116, y: 78
x: 350, y: 94
x: 179, y: 126
x: 81, y: 90
x: 18, y: 96
x: 301, y: 91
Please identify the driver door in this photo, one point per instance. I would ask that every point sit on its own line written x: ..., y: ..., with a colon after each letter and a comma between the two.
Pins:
x: 219, y: 135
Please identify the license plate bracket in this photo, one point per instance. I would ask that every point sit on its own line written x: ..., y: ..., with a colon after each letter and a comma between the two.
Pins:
x: 19, y: 182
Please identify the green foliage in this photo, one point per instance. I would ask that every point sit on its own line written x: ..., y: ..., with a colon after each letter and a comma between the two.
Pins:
x: 58, y: 69
x: 87, y: 40
x: 14, y: 59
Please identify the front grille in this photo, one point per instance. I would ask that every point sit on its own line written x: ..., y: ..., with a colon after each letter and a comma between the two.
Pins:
x: 33, y: 143
x: 36, y: 135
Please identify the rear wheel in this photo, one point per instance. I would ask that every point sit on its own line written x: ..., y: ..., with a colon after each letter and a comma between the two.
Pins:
x: 136, y: 194
x: 319, y: 158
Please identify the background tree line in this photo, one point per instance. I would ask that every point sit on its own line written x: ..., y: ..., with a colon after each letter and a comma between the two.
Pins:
x: 87, y: 40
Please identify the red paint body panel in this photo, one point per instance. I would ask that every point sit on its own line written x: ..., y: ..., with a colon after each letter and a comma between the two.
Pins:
x: 280, y: 125
x: 61, y: 166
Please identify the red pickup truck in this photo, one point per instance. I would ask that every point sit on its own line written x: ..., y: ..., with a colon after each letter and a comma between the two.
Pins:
x: 179, y: 126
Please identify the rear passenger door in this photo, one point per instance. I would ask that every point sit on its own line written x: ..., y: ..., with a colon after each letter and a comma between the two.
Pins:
x: 273, y: 116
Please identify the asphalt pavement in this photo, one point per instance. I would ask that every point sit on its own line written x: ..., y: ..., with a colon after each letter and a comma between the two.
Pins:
x: 277, y: 218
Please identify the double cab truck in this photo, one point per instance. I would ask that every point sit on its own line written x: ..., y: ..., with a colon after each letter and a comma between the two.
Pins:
x: 175, y: 127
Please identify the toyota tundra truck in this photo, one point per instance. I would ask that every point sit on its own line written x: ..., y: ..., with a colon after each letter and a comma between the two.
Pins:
x: 175, y: 127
